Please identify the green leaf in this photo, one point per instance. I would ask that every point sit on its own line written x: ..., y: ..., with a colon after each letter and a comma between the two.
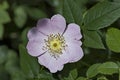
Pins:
x: 4, y: 5
x: 58, y: 6
x: 4, y: 17
x: 102, y: 15
x: 12, y: 62
x: 92, y: 39
x: 113, y: 39
x: 3, y: 54
x: 36, y: 13
x: 102, y: 78
x: 72, y: 12
x: 73, y: 74
x: 17, y: 75
x: 53, y: 3
x: 24, y: 36
x: 29, y: 64
x: 108, y: 68
x: 117, y: 1
x: 82, y: 4
x: 93, y: 70
x: 20, y: 16
x: 1, y: 31
x: 43, y: 75
x: 81, y: 78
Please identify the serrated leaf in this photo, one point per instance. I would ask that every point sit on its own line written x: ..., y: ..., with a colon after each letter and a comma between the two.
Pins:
x: 108, y: 68
x: 72, y: 12
x: 1, y: 31
x: 82, y: 5
x: 113, y: 39
x: 92, y: 39
x: 4, y: 17
x: 102, y: 15
x: 29, y: 64
x: 36, y: 13
x: 20, y: 16
x: 93, y: 70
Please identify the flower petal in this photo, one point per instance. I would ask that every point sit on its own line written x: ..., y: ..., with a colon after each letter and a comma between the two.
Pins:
x: 34, y: 34
x: 75, y: 52
x: 44, y: 26
x: 52, y: 63
x: 72, y: 32
x: 35, y: 48
x: 54, y: 25
x: 59, y: 23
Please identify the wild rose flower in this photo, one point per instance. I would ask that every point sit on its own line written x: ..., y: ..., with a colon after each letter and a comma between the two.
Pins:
x: 55, y: 44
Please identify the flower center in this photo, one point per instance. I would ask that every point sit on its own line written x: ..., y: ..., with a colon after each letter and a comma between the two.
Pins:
x: 55, y: 44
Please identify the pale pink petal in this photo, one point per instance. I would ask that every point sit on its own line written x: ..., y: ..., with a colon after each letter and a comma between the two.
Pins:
x: 54, y: 25
x: 35, y: 48
x: 58, y: 23
x: 73, y: 32
x: 75, y: 52
x: 52, y: 63
x: 44, y: 26
x: 34, y: 34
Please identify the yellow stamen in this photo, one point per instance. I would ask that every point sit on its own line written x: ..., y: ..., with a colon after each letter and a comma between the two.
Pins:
x: 55, y: 44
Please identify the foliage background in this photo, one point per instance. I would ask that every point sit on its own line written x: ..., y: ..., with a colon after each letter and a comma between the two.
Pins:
x: 100, y: 26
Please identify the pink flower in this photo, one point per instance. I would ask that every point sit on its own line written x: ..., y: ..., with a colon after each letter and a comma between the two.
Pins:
x: 55, y: 44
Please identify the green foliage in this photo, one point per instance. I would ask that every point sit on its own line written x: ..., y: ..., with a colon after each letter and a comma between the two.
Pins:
x: 1, y: 31
x: 92, y: 39
x: 43, y: 75
x: 3, y: 53
x: 72, y: 12
x: 108, y: 68
x: 29, y: 64
x: 4, y: 5
x: 102, y: 78
x: 93, y: 70
x: 24, y: 36
x: 4, y: 17
x: 81, y: 78
x: 20, y: 16
x: 102, y: 15
x: 72, y: 75
x: 113, y: 39
x: 12, y: 66
x: 81, y: 4
x: 36, y: 13
x: 117, y: 1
